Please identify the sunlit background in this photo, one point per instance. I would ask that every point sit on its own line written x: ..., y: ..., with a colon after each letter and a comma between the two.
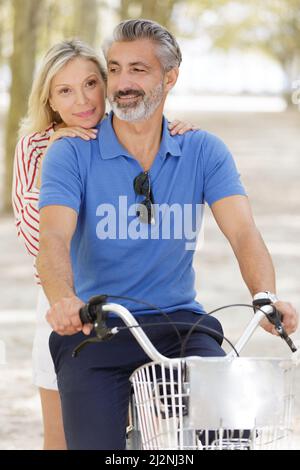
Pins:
x: 240, y: 79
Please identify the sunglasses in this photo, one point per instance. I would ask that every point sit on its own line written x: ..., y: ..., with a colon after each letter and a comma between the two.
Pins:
x: 145, y: 210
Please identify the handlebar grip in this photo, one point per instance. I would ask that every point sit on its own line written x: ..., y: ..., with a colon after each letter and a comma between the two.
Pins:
x: 276, y: 319
x: 85, y: 315
x: 88, y: 313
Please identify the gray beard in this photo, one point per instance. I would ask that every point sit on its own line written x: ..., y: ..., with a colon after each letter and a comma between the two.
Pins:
x: 141, y: 111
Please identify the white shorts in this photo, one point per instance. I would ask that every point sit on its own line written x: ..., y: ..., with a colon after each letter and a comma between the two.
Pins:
x: 43, y: 369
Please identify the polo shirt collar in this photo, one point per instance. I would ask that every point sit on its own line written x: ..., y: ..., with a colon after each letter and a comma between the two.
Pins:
x: 110, y: 147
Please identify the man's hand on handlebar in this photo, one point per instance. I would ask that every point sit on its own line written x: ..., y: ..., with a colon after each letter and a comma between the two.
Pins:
x: 64, y: 317
x: 290, y: 318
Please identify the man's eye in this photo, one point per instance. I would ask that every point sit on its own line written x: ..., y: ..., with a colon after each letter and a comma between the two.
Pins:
x: 112, y: 70
x: 138, y: 70
x: 91, y: 83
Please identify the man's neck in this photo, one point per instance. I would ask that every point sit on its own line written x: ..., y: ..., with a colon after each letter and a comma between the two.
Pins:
x: 141, y: 138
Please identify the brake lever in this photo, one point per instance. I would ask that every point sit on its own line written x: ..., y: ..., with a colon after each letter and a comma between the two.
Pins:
x: 274, y: 317
x: 103, y: 333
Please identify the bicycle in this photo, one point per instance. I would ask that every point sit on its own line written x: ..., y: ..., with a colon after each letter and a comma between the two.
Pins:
x: 177, y: 404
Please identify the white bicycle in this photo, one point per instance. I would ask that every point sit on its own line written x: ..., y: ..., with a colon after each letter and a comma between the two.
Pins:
x: 191, y: 403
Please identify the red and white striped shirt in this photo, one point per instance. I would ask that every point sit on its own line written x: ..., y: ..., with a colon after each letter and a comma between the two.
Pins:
x: 25, y: 194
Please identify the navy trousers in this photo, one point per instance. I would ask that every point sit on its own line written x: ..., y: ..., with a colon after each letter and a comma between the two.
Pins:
x: 95, y: 388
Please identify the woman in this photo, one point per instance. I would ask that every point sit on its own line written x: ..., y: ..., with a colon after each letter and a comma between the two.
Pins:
x: 67, y: 99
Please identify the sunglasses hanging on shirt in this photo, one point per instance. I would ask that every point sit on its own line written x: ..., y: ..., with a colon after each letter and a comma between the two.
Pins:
x: 145, y: 209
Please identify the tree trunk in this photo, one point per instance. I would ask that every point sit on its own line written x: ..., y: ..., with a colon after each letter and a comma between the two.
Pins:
x: 5, y: 17
x: 124, y: 9
x: 291, y: 67
x: 26, y: 17
x: 1, y: 30
x: 158, y: 10
x: 86, y: 15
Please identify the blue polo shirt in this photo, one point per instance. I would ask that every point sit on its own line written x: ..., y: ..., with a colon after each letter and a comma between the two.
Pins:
x: 112, y: 251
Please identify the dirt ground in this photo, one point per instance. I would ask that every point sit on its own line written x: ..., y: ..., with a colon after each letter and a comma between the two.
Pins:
x: 266, y: 147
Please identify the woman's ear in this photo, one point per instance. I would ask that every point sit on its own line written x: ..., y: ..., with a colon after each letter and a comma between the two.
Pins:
x: 51, y: 105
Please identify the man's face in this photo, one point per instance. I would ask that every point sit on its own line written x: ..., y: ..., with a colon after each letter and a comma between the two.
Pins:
x: 136, y: 81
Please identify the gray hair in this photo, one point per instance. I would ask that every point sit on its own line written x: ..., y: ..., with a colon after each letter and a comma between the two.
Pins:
x: 168, y: 50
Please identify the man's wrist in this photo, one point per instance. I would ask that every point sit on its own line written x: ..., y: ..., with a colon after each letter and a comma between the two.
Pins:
x: 55, y: 296
x: 269, y: 297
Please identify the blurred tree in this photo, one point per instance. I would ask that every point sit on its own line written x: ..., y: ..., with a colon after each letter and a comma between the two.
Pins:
x: 68, y: 19
x: 1, y: 29
x: 26, y: 18
x: 272, y: 26
x: 5, y: 29
x: 86, y: 16
x: 156, y: 10
x: 54, y: 22
x: 124, y: 9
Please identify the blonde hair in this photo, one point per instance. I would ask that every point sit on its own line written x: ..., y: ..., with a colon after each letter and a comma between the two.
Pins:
x: 40, y: 115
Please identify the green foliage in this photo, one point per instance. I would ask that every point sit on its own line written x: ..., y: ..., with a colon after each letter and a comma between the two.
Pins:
x: 156, y: 10
x: 67, y: 19
x: 271, y: 26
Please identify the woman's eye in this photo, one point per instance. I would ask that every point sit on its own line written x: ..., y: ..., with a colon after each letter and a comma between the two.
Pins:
x: 64, y: 91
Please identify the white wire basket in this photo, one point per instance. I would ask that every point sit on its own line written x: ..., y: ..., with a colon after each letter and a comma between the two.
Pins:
x: 215, y: 403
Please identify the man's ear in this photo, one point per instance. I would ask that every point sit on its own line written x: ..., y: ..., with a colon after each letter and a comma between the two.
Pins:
x: 171, y: 78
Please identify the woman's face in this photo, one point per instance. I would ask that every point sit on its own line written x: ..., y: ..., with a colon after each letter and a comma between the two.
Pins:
x: 77, y: 93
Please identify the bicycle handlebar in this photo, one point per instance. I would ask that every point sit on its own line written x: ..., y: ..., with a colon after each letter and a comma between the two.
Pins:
x: 96, y: 312
x: 88, y: 313
x: 85, y: 315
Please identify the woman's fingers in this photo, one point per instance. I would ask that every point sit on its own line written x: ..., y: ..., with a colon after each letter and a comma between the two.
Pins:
x: 88, y: 133
x: 173, y: 124
x: 180, y: 127
x: 85, y: 134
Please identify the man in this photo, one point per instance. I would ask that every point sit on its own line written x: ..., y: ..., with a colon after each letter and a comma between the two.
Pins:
x: 113, y: 216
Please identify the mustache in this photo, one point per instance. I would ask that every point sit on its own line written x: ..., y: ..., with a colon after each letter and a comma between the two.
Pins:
x: 130, y: 91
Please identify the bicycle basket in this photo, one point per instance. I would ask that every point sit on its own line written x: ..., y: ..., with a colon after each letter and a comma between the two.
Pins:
x: 214, y: 403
